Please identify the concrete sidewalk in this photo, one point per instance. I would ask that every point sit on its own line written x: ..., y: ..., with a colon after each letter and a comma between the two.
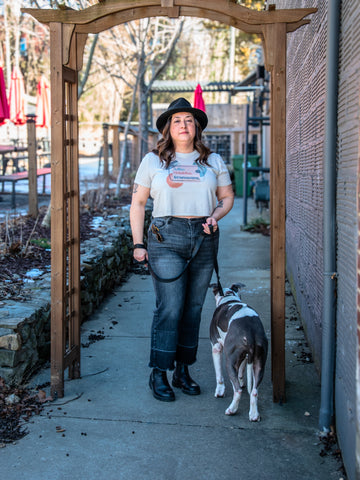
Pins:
x: 113, y: 428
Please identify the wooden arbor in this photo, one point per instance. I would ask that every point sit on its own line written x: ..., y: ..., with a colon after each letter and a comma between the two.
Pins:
x: 68, y: 34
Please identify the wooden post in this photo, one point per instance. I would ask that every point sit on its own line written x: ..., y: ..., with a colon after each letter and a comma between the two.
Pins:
x: 106, y: 155
x: 115, y: 151
x: 275, y: 57
x: 31, y: 140
x: 58, y: 211
x: 236, y: 143
x: 135, y: 154
x: 72, y: 355
x: 65, y: 211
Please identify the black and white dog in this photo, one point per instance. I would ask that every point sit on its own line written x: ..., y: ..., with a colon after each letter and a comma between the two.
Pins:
x: 237, y: 330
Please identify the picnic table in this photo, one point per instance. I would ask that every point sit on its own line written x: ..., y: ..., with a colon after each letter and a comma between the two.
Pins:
x: 18, y: 176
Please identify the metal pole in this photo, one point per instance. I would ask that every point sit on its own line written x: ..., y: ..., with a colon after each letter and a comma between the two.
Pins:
x: 329, y: 306
x: 245, y: 164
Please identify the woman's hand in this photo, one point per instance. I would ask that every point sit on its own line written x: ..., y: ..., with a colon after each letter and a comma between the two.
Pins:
x: 140, y: 254
x: 210, y: 221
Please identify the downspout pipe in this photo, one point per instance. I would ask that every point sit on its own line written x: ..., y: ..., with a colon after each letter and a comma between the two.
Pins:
x: 329, y: 220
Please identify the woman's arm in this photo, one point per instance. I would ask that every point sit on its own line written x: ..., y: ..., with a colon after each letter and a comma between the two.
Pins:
x: 137, y: 218
x: 225, y: 196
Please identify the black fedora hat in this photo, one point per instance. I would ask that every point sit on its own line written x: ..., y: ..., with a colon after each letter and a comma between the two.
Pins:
x: 181, y: 105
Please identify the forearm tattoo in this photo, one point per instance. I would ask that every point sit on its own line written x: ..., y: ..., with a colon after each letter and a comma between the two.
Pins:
x: 219, y: 205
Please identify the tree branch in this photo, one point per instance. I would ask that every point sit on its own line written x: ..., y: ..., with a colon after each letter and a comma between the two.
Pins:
x: 165, y: 60
x: 85, y: 77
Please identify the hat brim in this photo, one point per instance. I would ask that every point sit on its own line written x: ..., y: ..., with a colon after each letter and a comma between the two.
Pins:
x: 200, y: 116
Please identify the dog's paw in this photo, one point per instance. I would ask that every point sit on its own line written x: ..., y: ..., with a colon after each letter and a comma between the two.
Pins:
x: 230, y: 411
x: 254, y: 417
x: 220, y: 391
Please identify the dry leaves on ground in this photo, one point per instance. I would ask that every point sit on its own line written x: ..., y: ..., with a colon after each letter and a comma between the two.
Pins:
x: 17, y: 406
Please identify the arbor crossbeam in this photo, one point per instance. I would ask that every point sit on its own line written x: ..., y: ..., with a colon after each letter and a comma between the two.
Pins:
x: 108, y: 13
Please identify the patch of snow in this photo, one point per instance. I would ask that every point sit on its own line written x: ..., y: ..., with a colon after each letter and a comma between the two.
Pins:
x: 34, y: 273
x: 96, y: 222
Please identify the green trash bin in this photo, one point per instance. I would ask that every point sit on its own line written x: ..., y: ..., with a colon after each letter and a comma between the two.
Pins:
x: 238, y: 164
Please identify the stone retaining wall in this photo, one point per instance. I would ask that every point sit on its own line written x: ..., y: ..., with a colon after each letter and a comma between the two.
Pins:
x: 25, y: 326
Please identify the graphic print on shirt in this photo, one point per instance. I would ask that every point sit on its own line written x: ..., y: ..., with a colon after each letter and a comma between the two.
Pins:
x: 179, y: 173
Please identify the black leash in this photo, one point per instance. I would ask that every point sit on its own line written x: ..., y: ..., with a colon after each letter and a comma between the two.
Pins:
x: 168, y: 280
x: 216, y: 266
x: 197, y: 246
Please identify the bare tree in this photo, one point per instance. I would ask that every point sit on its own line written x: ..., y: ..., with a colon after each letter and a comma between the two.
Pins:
x: 123, y: 158
x: 149, y: 44
x: 151, y: 64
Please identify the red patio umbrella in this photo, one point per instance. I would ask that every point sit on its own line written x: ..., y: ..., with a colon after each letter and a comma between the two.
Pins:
x: 4, y: 106
x: 43, y: 116
x: 198, y: 98
x: 17, y: 97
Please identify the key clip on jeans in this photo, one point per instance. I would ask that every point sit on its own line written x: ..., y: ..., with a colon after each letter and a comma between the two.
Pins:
x: 156, y: 232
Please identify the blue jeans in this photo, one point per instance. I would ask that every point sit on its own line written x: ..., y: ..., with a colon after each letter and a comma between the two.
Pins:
x: 176, y: 320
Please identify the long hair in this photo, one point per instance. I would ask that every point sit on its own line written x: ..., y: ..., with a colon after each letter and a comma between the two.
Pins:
x: 165, y: 148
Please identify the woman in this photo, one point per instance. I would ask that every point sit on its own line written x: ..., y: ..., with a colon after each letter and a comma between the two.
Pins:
x: 191, y: 191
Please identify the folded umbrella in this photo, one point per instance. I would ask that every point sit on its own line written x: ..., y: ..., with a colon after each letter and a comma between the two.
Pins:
x: 17, y: 97
x: 43, y: 116
x: 4, y: 105
x: 198, y: 98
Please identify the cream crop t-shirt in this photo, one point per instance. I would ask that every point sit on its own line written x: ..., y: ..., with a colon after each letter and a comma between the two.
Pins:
x: 186, y: 188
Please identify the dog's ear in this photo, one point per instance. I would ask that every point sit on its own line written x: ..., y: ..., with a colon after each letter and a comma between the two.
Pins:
x: 237, y: 286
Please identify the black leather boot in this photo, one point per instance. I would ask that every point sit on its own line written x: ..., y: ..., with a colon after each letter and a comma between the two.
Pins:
x: 160, y: 387
x: 181, y: 379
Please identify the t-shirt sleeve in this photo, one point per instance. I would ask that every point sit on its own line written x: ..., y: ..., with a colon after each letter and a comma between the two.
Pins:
x: 142, y: 176
x: 222, y: 172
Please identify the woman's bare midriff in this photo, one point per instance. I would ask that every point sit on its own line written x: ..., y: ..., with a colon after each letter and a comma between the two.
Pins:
x: 183, y: 216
